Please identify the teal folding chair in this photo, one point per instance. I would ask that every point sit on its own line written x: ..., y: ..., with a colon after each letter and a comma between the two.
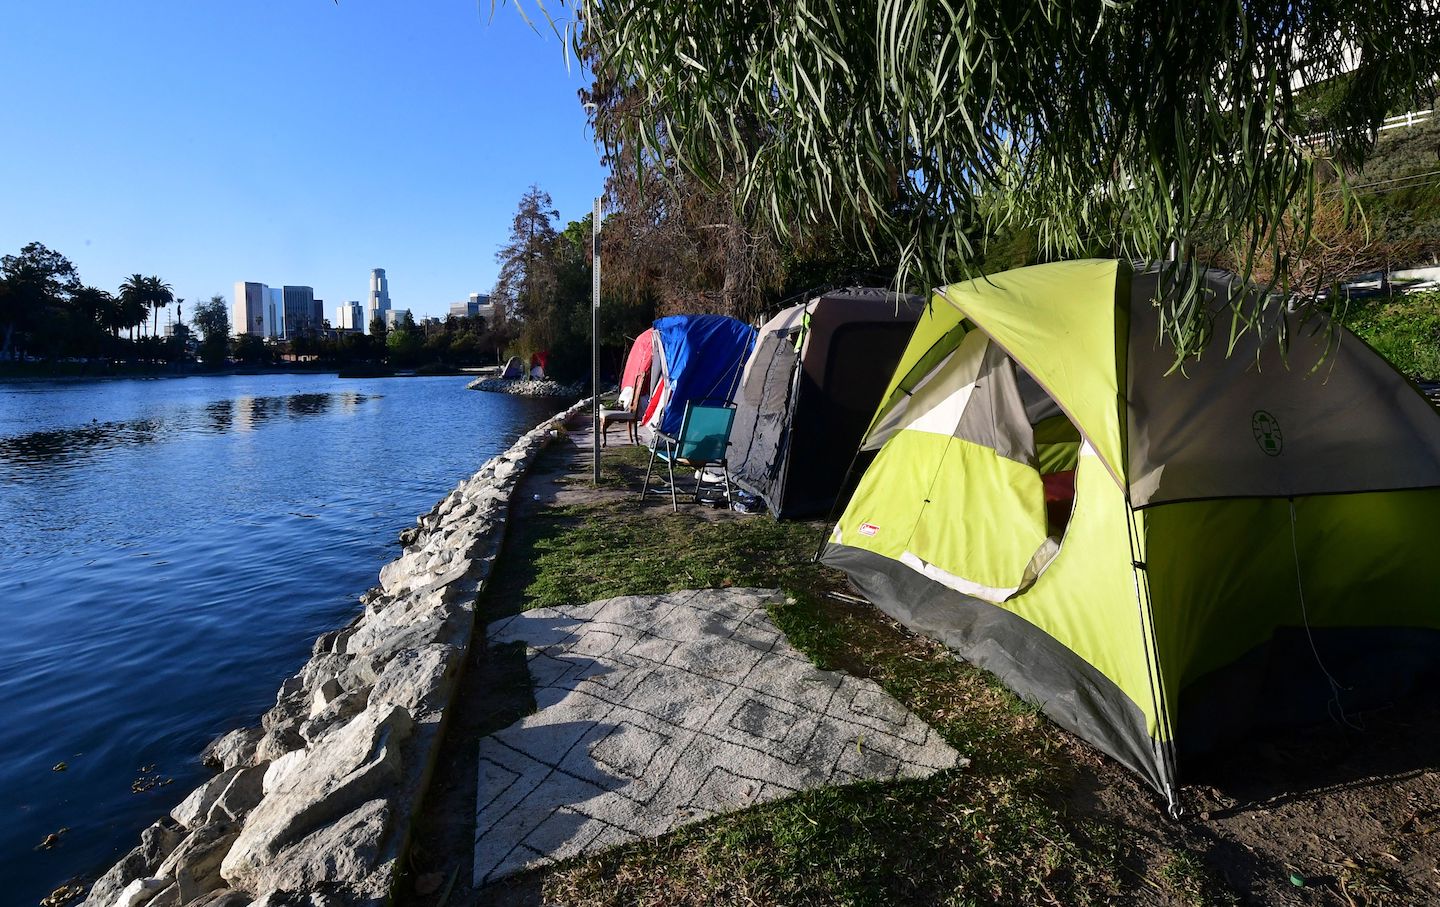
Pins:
x: 704, y: 436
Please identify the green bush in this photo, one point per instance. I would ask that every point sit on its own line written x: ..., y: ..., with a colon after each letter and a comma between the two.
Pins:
x: 1403, y: 329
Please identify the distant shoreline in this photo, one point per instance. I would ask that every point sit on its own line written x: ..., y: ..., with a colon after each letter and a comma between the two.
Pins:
x: 21, y: 373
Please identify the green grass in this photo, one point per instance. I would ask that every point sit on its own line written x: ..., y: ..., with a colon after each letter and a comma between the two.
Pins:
x: 1001, y: 829
x: 1403, y: 329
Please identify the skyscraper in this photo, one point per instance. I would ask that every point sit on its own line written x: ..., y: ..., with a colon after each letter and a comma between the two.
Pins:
x: 350, y: 316
x: 298, y: 311
x: 249, y: 311
x: 379, y: 302
x: 274, y: 312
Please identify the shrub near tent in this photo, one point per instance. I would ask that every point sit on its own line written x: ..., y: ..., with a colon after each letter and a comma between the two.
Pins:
x: 809, y: 391
x: 1148, y: 554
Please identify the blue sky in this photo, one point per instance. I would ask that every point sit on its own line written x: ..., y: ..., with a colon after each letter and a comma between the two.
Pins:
x: 285, y: 141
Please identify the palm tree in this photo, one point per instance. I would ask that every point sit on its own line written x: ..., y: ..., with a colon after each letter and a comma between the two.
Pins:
x: 96, y: 308
x: 133, y: 302
x: 158, y: 294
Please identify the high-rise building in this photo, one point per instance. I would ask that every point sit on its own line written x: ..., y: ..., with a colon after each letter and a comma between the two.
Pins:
x: 350, y: 316
x: 249, y: 312
x: 379, y: 302
x: 477, y: 304
x: 394, y: 318
x: 274, y: 312
x: 317, y: 315
x: 298, y: 311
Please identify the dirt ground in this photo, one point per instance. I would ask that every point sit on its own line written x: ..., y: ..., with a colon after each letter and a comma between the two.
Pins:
x: 1331, y: 816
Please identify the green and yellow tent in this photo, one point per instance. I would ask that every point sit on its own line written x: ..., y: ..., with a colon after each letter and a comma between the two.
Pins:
x: 1162, y: 559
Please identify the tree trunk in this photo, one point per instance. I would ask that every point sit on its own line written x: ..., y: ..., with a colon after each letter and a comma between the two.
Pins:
x: 732, y: 289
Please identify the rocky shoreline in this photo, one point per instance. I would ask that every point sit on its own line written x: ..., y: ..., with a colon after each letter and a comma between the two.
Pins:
x: 314, y: 806
x: 526, y: 387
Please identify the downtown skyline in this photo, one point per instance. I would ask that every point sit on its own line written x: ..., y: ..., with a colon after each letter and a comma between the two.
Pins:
x: 317, y: 140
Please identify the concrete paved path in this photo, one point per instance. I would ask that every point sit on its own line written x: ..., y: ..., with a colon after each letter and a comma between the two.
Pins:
x: 657, y: 711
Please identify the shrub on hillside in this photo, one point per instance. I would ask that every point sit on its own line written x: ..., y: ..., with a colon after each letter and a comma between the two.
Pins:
x: 1403, y: 329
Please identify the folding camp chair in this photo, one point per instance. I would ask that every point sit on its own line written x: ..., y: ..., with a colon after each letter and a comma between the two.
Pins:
x: 704, y: 436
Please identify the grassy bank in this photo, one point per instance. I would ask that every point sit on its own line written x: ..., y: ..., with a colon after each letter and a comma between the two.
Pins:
x: 1010, y: 827
x: 1403, y: 329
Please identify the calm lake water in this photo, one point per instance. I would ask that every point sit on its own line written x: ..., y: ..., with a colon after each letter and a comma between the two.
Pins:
x: 170, y: 549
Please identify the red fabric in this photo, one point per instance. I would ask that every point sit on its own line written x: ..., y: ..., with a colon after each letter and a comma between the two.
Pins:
x: 1059, y: 486
x: 654, y: 402
x: 637, y: 364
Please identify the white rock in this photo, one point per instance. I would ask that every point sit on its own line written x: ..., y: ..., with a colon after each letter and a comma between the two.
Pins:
x: 156, y: 843
x: 138, y: 892
x: 323, y: 667
x: 455, y: 572
x: 194, y: 810
x: 452, y: 630
x: 504, y: 469
x: 281, y: 726
x: 417, y: 679
x: 195, y: 864
x: 293, y: 684
x: 345, y: 851
x: 352, y: 764
x: 234, y: 748
x: 169, y: 896
x: 341, y: 709
x: 243, y: 794
x: 401, y: 615
x: 325, y: 694
x: 276, y: 771
x: 279, y: 741
x: 395, y: 576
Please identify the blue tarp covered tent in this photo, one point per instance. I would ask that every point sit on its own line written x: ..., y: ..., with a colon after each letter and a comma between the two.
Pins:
x: 699, y: 358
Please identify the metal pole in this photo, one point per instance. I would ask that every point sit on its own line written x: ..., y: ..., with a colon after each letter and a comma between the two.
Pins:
x: 595, y: 341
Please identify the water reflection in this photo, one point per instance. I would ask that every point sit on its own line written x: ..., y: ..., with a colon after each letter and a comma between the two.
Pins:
x: 68, y: 446
x: 219, y: 416
x: 308, y: 404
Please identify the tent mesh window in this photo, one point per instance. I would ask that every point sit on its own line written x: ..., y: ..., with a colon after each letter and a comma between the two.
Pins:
x: 1057, y: 451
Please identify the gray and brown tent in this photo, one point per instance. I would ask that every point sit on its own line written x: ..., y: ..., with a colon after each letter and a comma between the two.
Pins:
x: 1163, y: 560
x: 809, y: 391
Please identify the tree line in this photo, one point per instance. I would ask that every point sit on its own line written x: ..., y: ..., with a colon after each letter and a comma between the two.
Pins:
x: 46, y: 310
x: 673, y: 248
x: 454, y: 341
x: 48, y: 313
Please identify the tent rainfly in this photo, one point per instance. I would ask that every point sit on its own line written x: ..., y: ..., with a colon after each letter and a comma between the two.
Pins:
x: 636, y: 376
x: 1165, y: 562
x: 809, y: 391
x: 515, y: 368
x: 697, y: 358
